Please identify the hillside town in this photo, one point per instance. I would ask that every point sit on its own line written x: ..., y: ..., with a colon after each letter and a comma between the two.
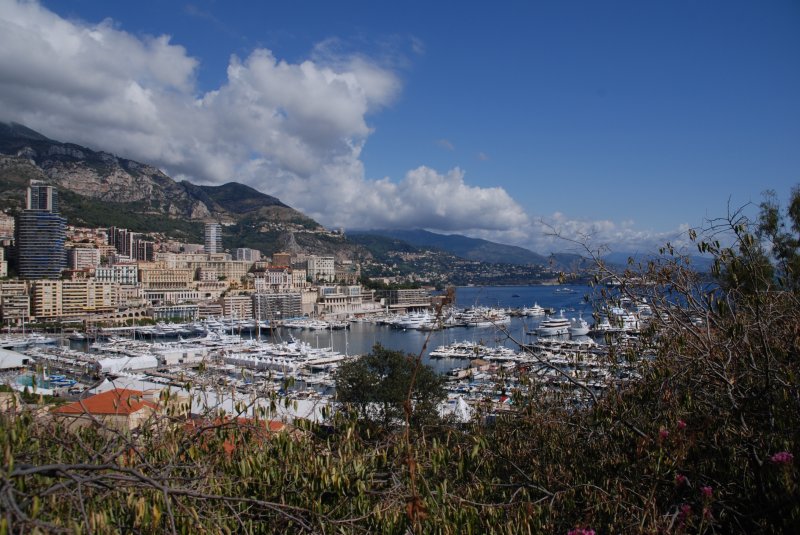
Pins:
x: 85, y: 278
x: 88, y: 304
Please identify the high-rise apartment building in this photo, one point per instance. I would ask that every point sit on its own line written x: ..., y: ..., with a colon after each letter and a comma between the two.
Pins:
x: 277, y: 306
x: 40, y: 234
x: 52, y: 299
x: 237, y: 306
x: 122, y: 240
x: 14, y: 302
x: 144, y: 250
x: 41, y: 196
x: 249, y: 255
x: 83, y: 257
x: 213, y: 242
x: 322, y: 268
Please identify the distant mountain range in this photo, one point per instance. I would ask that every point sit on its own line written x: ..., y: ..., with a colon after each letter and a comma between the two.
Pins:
x: 125, y: 184
x: 472, y: 248
x: 100, y: 189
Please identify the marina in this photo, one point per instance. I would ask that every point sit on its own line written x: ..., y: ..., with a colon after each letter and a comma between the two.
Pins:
x: 481, y: 346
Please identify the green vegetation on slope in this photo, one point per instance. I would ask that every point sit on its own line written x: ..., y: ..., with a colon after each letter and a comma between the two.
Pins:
x: 82, y: 211
x: 463, y: 246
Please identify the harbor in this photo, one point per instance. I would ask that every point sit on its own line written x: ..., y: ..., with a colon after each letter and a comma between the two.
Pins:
x: 481, y: 349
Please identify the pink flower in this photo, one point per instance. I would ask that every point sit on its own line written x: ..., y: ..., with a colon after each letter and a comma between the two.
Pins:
x: 706, y: 492
x: 684, y: 512
x: 680, y: 480
x: 782, y: 457
x: 663, y: 434
x: 681, y: 425
x: 581, y: 531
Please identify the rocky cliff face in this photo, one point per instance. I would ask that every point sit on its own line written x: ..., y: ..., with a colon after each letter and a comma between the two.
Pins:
x: 140, y: 187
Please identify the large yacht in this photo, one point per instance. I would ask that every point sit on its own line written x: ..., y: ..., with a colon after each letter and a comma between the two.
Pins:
x: 553, y: 326
x: 578, y: 327
x: 535, y: 311
x: 625, y: 320
x: 413, y: 320
x: 484, y: 317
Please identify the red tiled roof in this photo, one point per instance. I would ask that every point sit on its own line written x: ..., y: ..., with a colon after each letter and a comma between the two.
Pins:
x: 117, y: 401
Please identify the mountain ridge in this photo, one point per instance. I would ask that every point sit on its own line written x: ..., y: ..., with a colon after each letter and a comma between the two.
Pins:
x: 461, y: 246
x: 476, y: 249
x: 105, y: 177
x: 101, y: 189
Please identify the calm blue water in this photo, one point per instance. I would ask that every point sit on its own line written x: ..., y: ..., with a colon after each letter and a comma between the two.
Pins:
x: 361, y: 337
x: 522, y: 296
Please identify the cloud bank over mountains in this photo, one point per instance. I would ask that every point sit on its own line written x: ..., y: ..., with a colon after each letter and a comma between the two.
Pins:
x: 292, y: 130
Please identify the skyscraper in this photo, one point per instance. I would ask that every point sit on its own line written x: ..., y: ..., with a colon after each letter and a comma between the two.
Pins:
x: 40, y: 234
x: 213, y: 238
x: 41, y: 197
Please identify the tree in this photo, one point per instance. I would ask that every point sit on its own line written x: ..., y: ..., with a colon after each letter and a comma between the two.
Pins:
x: 376, y: 386
x: 782, y: 230
x: 766, y: 254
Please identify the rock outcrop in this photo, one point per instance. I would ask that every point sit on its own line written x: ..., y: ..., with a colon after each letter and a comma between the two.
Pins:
x: 139, y: 187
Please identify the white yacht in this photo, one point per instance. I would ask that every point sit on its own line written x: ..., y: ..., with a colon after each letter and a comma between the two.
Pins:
x: 625, y: 320
x: 643, y: 309
x: 77, y: 336
x: 603, y: 325
x: 484, y: 317
x: 578, y: 326
x: 413, y: 320
x: 553, y: 326
x: 535, y: 311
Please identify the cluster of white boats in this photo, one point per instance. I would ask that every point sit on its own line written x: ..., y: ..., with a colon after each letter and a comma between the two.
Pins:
x: 616, y: 319
x: 25, y: 340
x: 223, y: 357
x: 216, y: 355
x: 174, y: 330
x: 577, y: 368
x: 226, y: 325
x: 313, y: 324
x: 425, y: 320
x: 252, y: 366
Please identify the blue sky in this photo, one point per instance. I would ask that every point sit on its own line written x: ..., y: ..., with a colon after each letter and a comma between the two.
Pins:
x: 625, y: 120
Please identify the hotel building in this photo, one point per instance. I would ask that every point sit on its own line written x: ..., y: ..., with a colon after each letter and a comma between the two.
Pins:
x: 40, y: 235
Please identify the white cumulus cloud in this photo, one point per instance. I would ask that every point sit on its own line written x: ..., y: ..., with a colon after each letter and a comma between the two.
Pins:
x: 559, y: 232
x: 293, y: 130
x: 426, y: 198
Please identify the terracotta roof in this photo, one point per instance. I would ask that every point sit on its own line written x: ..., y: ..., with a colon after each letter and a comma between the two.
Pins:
x: 118, y: 401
